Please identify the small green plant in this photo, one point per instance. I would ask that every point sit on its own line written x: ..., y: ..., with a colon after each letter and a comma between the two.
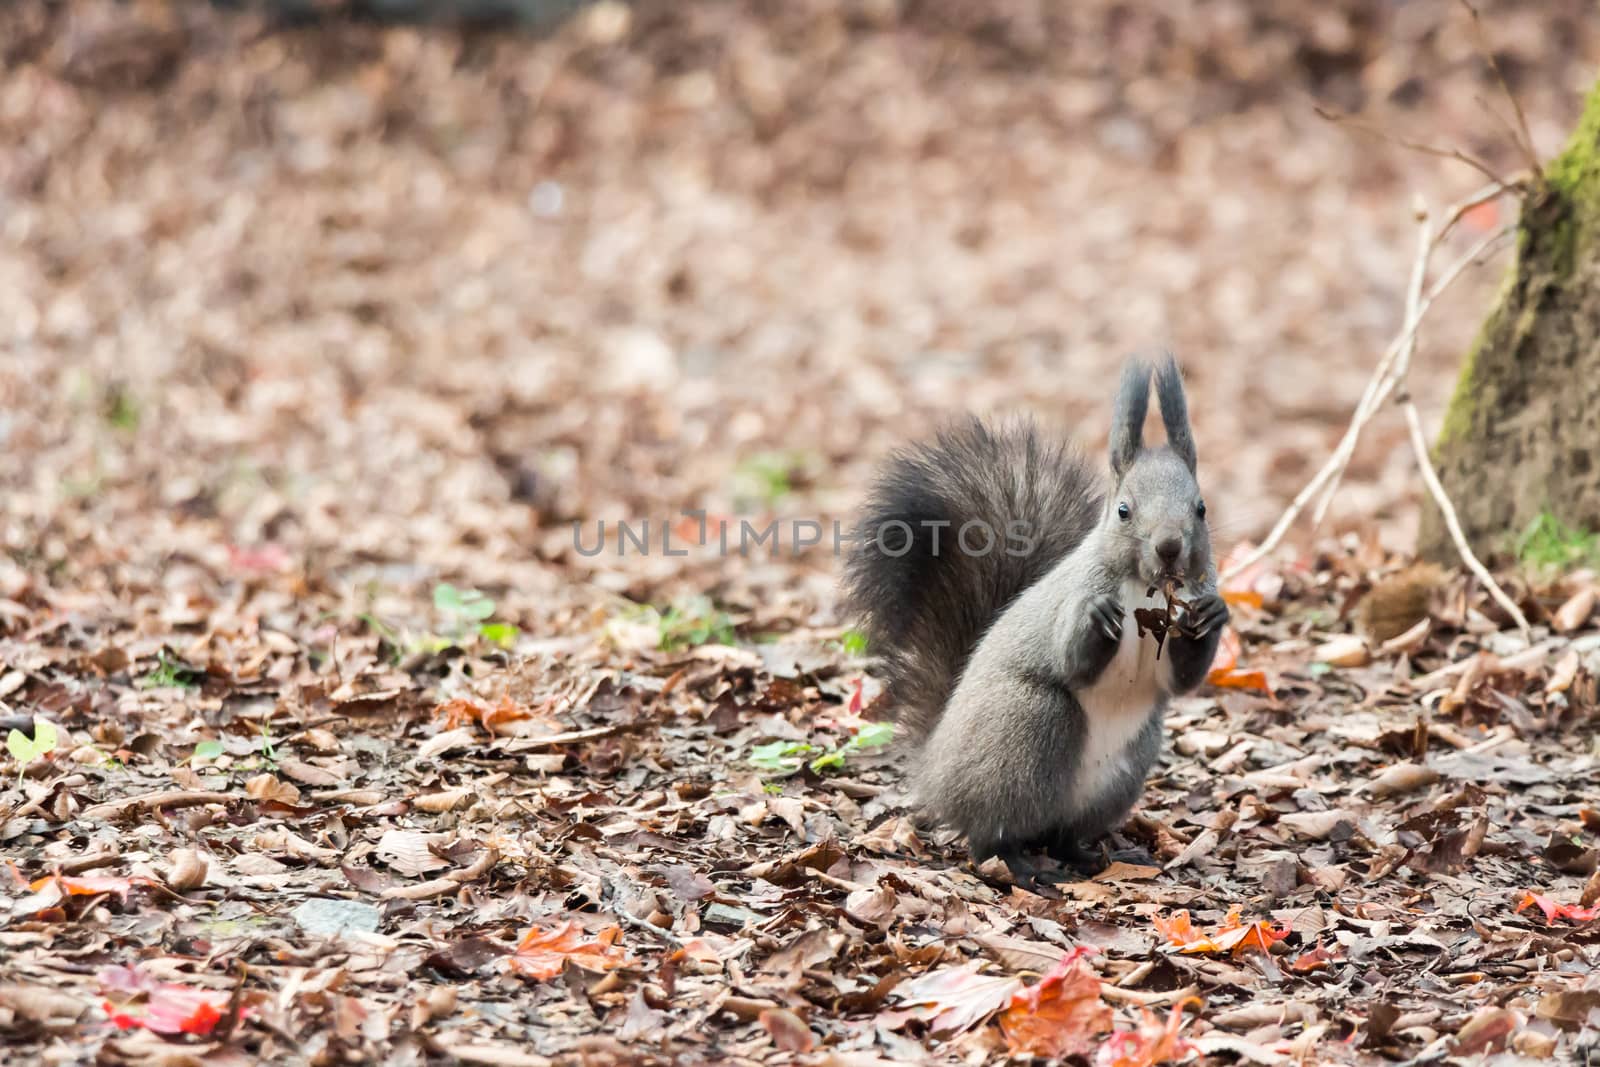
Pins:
x: 120, y: 409
x: 207, y: 750
x: 785, y: 757
x: 468, y: 611
x: 1549, y: 542
x: 766, y: 478
x: 170, y: 673
x: 269, y: 751
x: 696, y: 621
x: 854, y: 643
x: 25, y: 749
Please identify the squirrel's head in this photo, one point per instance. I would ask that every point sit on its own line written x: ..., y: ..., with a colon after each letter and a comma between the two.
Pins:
x: 1155, y: 513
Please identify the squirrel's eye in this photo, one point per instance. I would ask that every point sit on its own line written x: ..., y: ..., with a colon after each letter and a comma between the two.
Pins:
x: 1200, y: 509
x: 1123, y: 512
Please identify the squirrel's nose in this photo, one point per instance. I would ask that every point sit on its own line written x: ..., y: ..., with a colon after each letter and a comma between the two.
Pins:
x: 1168, y: 548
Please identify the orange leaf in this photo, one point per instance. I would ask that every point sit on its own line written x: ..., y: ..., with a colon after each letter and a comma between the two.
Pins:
x: 1232, y: 936
x: 1256, y: 680
x: 1178, y: 930
x: 87, y: 885
x: 543, y: 954
x: 1314, y: 960
x: 1223, y: 673
x: 1062, y: 1015
x: 1154, y: 1042
x: 462, y: 710
x: 1553, y: 911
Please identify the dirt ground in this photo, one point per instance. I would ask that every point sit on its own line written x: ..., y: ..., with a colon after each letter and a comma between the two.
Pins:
x: 317, y: 341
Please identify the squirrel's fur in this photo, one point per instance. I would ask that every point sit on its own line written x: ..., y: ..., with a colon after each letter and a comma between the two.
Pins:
x: 1019, y: 672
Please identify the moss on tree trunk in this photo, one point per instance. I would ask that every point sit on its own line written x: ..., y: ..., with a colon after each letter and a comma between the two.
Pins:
x: 1522, y: 433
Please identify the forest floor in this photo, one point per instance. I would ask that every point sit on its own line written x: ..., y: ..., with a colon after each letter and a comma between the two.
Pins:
x: 316, y: 342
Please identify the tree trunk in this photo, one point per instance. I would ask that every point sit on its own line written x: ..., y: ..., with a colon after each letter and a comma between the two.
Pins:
x: 1521, y: 437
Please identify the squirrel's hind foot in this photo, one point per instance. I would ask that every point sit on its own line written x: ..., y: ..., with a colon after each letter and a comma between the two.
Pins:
x: 1026, y: 873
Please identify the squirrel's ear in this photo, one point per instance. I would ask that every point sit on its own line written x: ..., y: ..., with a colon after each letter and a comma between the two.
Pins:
x: 1175, y: 410
x: 1127, y: 419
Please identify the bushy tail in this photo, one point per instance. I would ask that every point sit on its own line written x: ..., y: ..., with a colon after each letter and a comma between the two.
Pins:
x: 924, y: 594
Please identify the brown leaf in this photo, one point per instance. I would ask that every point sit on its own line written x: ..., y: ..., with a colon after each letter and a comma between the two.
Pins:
x: 1489, y: 1028
x: 411, y: 852
x: 268, y: 787
x: 1402, y: 778
x: 1575, y: 612
x: 1571, y: 1008
x: 788, y: 1033
x: 1349, y: 650
x: 950, y: 1001
x: 186, y: 870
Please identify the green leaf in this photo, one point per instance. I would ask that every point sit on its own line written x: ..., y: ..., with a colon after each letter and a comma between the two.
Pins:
x: 828, y: 761
x: 25, y: 749
x: 779, y: 755
x: 501, y: 633
x: 854, y: 643
x: 467, y: 604
x: 873, y: 735
x: 208, y: 750
x: 20, y: 746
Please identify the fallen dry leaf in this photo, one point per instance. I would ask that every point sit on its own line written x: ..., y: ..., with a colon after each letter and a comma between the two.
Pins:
x: 137, y: 1000
x: 1575, y: 611
x: 1061, y: 1014
x: 1155, y: 1041
x: 951, y: 1001
x: 544, y: 953
x: 1552, y: 911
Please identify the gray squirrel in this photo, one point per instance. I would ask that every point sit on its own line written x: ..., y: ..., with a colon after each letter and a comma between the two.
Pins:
x: 997, y: 579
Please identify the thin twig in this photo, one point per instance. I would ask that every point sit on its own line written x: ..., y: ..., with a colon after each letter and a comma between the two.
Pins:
x: 1402, y: 358
x: 1458, y: 211
x: 1406, y: 142
x: 1419, y: 445
x: 1525, y: 141
x: 1381, y: 385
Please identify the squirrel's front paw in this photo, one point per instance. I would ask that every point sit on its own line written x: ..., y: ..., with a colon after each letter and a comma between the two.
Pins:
x: 1106, y: 613
x: 1206, y: 613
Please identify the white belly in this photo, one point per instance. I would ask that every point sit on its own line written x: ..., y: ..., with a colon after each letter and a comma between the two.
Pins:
x: 1120, y: 701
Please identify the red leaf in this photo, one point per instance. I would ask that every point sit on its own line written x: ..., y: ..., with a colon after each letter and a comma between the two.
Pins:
x: 1154, y: 1042
x: 543, y: 954
x: 162, y: 1007
x: 1553, y: 911
x: 1062, y: 1015
x: 263, y: 559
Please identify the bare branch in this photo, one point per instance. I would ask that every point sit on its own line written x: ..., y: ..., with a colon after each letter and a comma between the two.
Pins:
x: 1379, y: 387
x: 1405, y: 142
x: 1397, y: 357
x: 1430, y: 477
x: 1521, y: 136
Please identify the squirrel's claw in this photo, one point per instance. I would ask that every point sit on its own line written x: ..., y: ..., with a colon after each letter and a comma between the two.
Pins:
x: 1106, y: 612
x: 1208, y: 613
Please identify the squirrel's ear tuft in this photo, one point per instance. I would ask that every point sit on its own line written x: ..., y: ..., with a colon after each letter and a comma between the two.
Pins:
x: 1175, y: 410
x: 1127, y: 419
